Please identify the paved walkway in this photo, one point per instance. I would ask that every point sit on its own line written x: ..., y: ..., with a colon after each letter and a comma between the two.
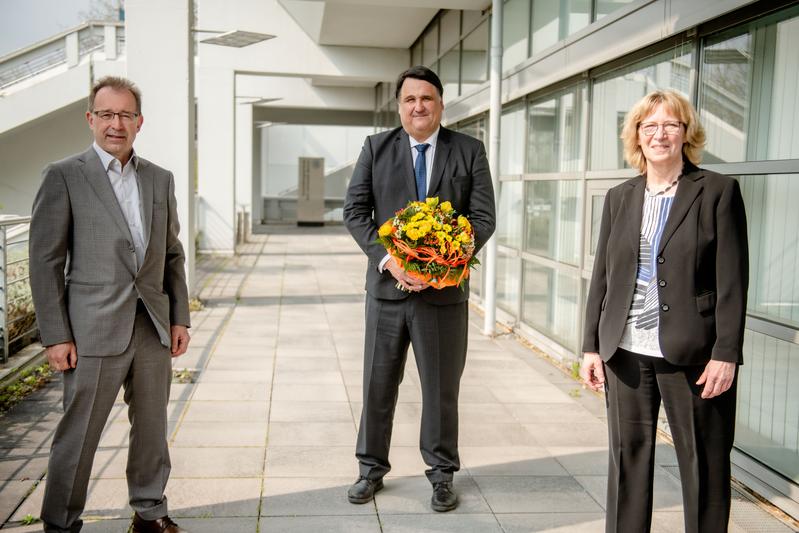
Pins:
x: 263, y: 439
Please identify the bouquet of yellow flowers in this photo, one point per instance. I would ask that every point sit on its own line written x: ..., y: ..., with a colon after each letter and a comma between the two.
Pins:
x: 431, y: 242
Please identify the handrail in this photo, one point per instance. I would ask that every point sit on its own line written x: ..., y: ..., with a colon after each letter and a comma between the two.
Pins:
x: 66, y: 47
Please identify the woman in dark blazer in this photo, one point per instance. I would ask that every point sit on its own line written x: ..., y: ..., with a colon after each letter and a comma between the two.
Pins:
x: 665, y: 317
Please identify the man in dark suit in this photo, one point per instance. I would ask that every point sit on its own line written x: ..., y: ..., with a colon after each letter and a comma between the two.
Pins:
x: 420, y: 159
x: 108, y: 283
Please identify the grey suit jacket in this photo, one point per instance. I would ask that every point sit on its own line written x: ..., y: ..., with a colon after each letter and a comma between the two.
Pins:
x: 82, y: 262
x: 384, y: 182
x: 702, y: 270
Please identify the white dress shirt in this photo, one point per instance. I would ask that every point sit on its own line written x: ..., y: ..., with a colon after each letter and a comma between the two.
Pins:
x: 125, y: 183
x: 429, y: 155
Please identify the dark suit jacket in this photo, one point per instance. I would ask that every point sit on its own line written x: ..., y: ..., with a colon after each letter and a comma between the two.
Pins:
x: 83, y: 271
x: 383, y: 182
x: 702, y: 267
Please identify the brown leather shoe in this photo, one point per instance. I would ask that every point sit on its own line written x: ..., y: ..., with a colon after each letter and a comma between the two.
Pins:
x: 159, y: 525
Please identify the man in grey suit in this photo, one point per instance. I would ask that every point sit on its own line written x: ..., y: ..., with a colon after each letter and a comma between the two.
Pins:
x: 420, y: 159
x: 109, y: 287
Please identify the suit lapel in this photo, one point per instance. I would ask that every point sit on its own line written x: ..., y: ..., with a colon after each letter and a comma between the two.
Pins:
x: 98, y: 179
x: 632, y: 207
x: 687, y: 191
x: 402, y: 153
x: 443, y: 148
x: 146, y: 194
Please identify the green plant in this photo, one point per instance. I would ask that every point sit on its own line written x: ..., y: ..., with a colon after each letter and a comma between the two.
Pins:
x: 574, y: 369
x: 29, y: 519
x: 29, y: 381
x: 575, y: 393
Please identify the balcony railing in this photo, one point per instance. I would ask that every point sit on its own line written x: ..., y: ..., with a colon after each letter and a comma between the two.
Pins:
x: 68, y: 48
x: 17, y: 317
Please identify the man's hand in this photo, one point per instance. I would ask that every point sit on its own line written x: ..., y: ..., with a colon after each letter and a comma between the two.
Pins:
x: 717, y: 378
x: 62, y: 356
x: 405, y: 281
x: 592, y: 371
x: 180, y: 340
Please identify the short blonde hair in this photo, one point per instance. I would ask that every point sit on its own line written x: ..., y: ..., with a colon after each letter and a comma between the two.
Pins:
x: 678, y: 105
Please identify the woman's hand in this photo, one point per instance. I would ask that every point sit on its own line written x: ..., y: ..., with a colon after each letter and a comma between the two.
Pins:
x: 592, y: 371
x: 717, y: 378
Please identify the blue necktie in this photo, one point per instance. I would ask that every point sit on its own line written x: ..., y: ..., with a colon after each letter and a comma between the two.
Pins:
x: 421, y: 171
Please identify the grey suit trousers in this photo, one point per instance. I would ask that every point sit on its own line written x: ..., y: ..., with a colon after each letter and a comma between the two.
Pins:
x: 438, y: 334
x: 144, y: 369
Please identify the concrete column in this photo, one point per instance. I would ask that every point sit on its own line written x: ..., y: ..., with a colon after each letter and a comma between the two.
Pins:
x: 216, y: 159
x: 110, y: 42
x: 72, y: 48
x: 244, y: 175
x: 257, y: 199
x: 160, y: 60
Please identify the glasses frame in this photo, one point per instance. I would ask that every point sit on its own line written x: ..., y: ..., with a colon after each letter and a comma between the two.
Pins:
x: 124, y: 116
x: 664, y: 125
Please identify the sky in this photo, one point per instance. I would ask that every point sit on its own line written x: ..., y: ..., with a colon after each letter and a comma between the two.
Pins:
x: 24, y: 22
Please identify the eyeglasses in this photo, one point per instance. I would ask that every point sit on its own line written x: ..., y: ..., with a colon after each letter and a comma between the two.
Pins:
x: 651, y: 128
x: 108, y: 116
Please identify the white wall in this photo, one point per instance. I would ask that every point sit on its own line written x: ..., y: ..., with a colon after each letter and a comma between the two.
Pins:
x: 282, y: 145
x: 26, y: 150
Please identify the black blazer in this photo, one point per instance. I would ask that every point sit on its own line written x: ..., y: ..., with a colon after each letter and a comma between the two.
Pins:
x: 383, y: 182
x: 702, y: 266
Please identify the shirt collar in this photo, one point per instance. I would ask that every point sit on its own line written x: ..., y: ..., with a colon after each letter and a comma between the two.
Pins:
x: 430, y: 140
x: 107, y: 158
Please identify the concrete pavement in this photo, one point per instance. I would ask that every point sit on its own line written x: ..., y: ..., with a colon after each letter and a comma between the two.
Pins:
x: 263, y: 431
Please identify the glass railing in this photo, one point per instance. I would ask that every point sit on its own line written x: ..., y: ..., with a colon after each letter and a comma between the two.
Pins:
x: 68, y: 48
x: 17, y: 317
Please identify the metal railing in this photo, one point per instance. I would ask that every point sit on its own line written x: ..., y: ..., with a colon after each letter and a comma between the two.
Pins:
x: 17, y: 317
x: 68, y: 47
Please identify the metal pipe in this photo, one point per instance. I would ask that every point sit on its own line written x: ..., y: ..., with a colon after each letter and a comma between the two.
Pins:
x: 494, y: 118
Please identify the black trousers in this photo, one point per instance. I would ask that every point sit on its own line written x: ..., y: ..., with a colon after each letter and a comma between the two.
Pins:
x: 438, y: 335
x: 703, y: 432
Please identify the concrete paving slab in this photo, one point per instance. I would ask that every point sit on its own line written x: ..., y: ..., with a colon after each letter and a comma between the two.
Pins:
x: 309, y: 496
x: 553, y: 522
x: 231, y: 434
x: 312, y: 433
x: 535, y: 494
x: 23, y: 463
x: 227, y: 411
x: 509, y: 461
x: 310, y: 412
x: 243, y: 392
x: 310, y: 461
x: 212, y: 498
x: 411, y: 495
x: 321, y: 524
x: 450, y: 522
x: 222, y: 462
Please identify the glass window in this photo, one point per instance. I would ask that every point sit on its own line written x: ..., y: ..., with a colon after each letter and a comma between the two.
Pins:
x: 509, y: 214
x: 430, y: 48
x: 508, y: 282
x: 616, y: 93
x: 767, y: 425
x: 476, y: 275
x: 749, y: 101
x: 605, y: 7
x: 475, y: 58
x: 515, y: 28
x: 450, y: 29
x: 554, y: 133
x: 416, y: 53
x: 554, y: 21
x: 471, y: 18
x: 772, y: 219
x: 475, y: 128
x: 448, y: 69
x: 553, y: 219
x: 550, y: 303
x: 511, y: 149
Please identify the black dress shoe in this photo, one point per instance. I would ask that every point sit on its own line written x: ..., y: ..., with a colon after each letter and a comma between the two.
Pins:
x: 443, y: 499
x: 363, y: 490
x: 159, y: 525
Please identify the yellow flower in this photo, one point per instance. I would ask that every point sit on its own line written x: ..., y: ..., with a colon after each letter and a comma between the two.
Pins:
x: 463, y: 222
x: 446, y: 207
x: 417, y: 216
x: 425, y: 227
x: 447, y: 228
x: 386, y: 229
x: 432, y: 202
x: 413, y: 233
x: 441, y: 236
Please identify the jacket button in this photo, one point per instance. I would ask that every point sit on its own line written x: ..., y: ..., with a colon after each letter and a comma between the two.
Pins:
x: 662, y: 283
x: 661, y: 260
x: 665, y: 307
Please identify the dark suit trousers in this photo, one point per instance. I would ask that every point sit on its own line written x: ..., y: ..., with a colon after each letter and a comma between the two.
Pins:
x: 145, y: 370
x: 438, y: 334
x: 703, y: 432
